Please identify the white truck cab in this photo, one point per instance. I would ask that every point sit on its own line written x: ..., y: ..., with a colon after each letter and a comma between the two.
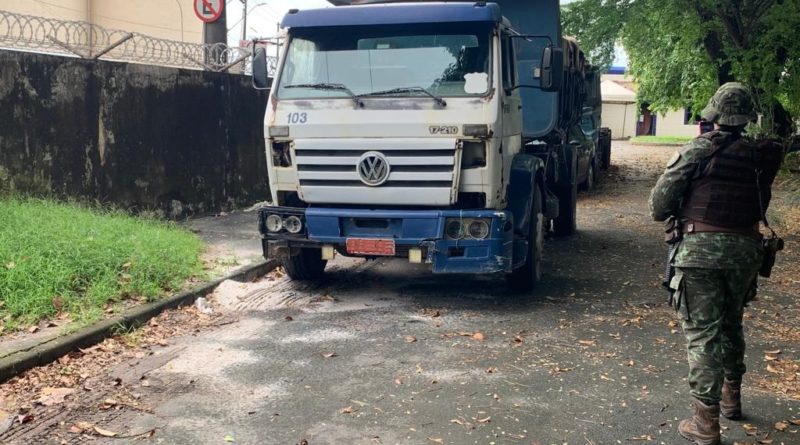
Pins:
x: 397, y: 130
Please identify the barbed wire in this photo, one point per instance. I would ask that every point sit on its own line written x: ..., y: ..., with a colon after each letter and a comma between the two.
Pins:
x: 91, y: 41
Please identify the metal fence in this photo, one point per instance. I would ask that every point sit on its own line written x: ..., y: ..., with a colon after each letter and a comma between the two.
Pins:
x: 90, y: 41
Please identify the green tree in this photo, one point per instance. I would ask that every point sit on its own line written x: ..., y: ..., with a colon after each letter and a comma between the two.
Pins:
x: 680, y: 51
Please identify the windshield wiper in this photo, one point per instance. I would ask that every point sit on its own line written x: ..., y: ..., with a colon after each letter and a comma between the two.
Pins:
x: 401, y: 90
x: 327, y: 86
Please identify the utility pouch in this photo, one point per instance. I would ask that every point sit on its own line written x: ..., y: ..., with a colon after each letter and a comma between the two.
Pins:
x: 673, y: 230
x: 676, y: 294
x: 772, y: 246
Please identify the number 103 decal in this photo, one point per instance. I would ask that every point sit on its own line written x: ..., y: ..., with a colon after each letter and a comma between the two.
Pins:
x: 297, y: 118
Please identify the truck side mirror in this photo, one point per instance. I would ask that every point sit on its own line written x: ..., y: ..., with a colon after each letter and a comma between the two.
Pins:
x: 552, y: 73
x: 260, y: 79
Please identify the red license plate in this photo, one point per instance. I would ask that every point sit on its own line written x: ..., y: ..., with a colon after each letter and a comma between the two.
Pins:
x: 378, y: 247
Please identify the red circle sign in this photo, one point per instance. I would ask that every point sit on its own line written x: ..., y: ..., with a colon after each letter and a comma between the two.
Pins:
x: 208, y: 10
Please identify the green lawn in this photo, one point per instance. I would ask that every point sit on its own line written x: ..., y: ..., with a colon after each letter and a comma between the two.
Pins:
x: 66, y: 258
x: 661, y: 140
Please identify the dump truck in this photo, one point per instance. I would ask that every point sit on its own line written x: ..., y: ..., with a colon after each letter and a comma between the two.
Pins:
x: 437, y: 132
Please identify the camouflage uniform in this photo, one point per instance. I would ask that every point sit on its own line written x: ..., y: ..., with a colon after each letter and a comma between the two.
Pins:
x: 715, y: 272
x: 715, y: 277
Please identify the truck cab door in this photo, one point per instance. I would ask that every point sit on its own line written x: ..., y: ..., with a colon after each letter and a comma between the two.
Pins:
x: 511, y: 101
x: 511, y: 106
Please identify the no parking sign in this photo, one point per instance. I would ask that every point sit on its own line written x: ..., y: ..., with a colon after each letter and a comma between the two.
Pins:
x: 208, y: 10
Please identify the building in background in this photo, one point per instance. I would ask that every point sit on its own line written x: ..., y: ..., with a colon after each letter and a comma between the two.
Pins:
x: 164, y: 19
x: 621, y: 114
x: 619, y: 105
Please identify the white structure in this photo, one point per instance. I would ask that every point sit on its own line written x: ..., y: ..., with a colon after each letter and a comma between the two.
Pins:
x: 619, y: 108
x: 674, y: 123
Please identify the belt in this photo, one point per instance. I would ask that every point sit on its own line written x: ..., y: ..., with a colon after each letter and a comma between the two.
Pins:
x: 701, y: 227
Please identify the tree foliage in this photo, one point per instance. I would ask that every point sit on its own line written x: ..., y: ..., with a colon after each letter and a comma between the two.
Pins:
x: 680, y: 51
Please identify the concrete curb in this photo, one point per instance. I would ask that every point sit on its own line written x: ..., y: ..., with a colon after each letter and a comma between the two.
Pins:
x: 47, y: 352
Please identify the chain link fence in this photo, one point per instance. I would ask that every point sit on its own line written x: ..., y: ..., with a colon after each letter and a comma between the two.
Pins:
x: 90, y: 41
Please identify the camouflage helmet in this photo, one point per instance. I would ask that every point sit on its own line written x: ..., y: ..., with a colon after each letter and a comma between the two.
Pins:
x: 731, y: 105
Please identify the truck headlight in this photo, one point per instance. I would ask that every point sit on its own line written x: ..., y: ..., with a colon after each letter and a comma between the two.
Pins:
x: 478, y: 229
x: 292, y: 224
x: 453, y: 229
x: 274, y: 223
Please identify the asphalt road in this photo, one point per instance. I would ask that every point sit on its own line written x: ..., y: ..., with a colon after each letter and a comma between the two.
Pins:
x: 383, y: 352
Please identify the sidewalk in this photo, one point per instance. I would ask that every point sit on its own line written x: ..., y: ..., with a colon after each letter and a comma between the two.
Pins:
x: 234, y: 252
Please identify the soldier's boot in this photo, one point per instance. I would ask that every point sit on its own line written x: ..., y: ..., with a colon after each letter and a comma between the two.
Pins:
x: 703, y: 427
x: 731, y: 404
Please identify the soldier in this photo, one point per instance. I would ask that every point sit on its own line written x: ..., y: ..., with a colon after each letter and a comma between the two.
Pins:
x: 717, y: 187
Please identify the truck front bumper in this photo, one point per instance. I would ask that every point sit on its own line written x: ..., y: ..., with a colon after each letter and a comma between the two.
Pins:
x: 409, y: 229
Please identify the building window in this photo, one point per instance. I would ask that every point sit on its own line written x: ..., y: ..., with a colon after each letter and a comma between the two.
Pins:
x: 690, y: 118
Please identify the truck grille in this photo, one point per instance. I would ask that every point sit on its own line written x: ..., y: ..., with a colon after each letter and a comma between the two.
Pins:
x: 420, y: 171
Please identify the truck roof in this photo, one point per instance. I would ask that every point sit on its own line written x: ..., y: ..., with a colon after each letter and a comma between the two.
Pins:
x: 394, y: 13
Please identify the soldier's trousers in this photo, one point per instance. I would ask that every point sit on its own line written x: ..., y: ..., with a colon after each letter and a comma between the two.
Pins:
x: 710, y: 303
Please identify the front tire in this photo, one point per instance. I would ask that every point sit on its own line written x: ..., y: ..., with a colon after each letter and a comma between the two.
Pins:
x: 525, y: 278
x: 308, y: 265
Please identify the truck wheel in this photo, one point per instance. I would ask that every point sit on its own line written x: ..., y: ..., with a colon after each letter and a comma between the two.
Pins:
x: 607, y: 153
x: 566, y: 223
x: 308, y: 265
x: 525, y: 278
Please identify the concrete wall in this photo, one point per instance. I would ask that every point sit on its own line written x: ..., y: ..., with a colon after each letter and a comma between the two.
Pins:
x: 671, y: 124
x: 166, y: 19
x: 143, y: 137
x: 620, y: 118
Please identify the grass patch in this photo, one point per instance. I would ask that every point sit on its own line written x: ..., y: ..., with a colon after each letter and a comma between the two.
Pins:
x: 661, y: 140
x: 67, y: 258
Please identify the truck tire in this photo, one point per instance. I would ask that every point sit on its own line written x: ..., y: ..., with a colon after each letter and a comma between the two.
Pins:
x: 525, y: 278
x: 566, y: 223
x: 308, y: 265
x: 606, y: 143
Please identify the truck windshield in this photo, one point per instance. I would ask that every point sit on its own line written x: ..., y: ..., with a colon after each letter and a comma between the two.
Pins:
x: 444, y: 61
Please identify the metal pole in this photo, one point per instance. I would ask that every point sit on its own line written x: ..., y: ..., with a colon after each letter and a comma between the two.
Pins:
x: 244, y: 20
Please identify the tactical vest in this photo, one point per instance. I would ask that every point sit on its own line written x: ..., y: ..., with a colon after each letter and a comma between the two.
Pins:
x: 726, y: 186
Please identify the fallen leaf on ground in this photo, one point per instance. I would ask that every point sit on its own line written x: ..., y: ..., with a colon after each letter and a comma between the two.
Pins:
x: 104, y: 432
x: 329, y: 354
x: 587, y: 342
x: 491, y: 370
x: 795, y: 422
x: 773, y: 352
x: 410, y: 339
x: 749, y: 429
x: 347, y: 410
x: 33, y: 329
x: 436, y: 440
x: 228, y: 438
x: 288, y: 318
x: 773, y: 369
x: 478, y: 336
x: 397, y: 381
x: 484, y: 420
x: 53, y: 396
x: 781, y: 426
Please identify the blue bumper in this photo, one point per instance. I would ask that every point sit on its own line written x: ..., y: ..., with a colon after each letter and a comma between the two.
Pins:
x: 423, y: 229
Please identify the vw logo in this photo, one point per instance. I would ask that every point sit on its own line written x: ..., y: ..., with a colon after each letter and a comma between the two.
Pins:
x: 373, y: 168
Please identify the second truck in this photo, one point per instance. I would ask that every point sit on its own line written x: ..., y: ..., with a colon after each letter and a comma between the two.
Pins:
x: 439, y: 132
